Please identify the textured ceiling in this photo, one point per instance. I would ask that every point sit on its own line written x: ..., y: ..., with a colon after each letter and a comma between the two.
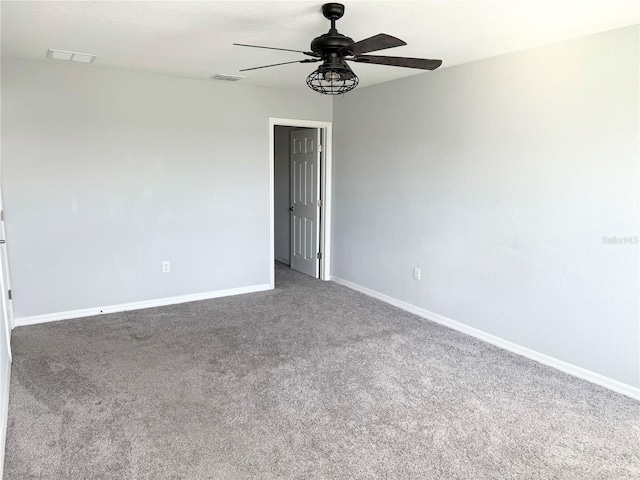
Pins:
x: 194, y: 39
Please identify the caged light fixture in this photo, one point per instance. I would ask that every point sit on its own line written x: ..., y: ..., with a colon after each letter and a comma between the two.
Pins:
x: 334, y: 77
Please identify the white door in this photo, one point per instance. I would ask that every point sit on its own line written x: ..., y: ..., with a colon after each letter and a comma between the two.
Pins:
x: 6, y: 310
x: 305, y: 205
x: 5, y: 330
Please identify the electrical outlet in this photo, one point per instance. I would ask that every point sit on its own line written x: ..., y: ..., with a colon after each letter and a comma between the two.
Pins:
x: 166, y: 266
x: 417, y: 273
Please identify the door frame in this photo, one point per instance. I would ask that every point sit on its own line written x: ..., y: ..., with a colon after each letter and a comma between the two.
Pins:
x: 325, y: 191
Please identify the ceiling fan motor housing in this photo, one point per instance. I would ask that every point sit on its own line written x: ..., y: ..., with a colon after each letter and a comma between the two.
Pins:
x: 329, y: 43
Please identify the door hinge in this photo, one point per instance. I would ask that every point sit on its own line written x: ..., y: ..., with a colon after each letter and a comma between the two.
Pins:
x: 9, y: 293
x: 319, y: 255
x: 319, y: 203
x: 320, y: 148
x: 1, y: 215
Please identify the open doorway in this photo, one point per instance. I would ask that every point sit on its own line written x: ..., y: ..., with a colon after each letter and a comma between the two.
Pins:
x: 300, y: 161
x: 282, y: 192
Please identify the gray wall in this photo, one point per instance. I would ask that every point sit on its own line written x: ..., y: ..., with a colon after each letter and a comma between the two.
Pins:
x: 500, y: 179
x: 108, y: 173
x: 282, y: 201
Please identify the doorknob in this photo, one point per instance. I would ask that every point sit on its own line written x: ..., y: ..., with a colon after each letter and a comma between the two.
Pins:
x: 291, y: 209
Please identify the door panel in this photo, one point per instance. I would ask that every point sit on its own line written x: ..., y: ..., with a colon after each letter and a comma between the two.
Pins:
x: 6, y: 310
x: 305, y: 188
x: 5, y: 333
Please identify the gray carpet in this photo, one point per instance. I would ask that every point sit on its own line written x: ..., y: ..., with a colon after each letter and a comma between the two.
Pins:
x: 309, y: 381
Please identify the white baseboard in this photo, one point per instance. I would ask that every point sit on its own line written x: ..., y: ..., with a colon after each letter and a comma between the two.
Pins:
x: 611, y: 384
x: 160, y: 302
x: 4, y: 420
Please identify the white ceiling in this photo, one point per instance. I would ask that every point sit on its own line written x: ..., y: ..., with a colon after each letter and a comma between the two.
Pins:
x: 194, y: 39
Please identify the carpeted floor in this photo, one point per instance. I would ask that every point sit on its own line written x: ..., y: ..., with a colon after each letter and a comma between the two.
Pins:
x: 309, y: 381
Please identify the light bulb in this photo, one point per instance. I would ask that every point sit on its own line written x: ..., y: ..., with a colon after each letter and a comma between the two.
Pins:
x: 332, y: 77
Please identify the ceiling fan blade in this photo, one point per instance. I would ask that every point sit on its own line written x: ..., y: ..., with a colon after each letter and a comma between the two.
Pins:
x: 371, y: 44
x: 306, y: 60
x: 421, y: 63
x: 311, y: 54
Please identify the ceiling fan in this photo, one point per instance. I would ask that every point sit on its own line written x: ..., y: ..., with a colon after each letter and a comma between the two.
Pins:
x: 333, y: 49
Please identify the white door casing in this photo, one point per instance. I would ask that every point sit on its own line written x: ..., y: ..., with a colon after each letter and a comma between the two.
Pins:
x: 326, y: 183
x: 305, y: 207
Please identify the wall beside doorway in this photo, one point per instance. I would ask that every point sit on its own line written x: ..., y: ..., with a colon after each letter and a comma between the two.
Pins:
x: 282, y: 198
x: 135, y: 170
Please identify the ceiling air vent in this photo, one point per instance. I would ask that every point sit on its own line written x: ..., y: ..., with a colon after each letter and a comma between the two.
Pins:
x: 226, y: 78
x: 71, y: 56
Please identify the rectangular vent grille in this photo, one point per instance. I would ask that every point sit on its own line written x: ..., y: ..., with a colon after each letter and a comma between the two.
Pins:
x: 71, y: 56
x: 226, y: 78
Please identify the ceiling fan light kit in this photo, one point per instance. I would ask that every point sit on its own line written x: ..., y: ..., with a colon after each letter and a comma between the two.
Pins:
x: 334, y: 76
